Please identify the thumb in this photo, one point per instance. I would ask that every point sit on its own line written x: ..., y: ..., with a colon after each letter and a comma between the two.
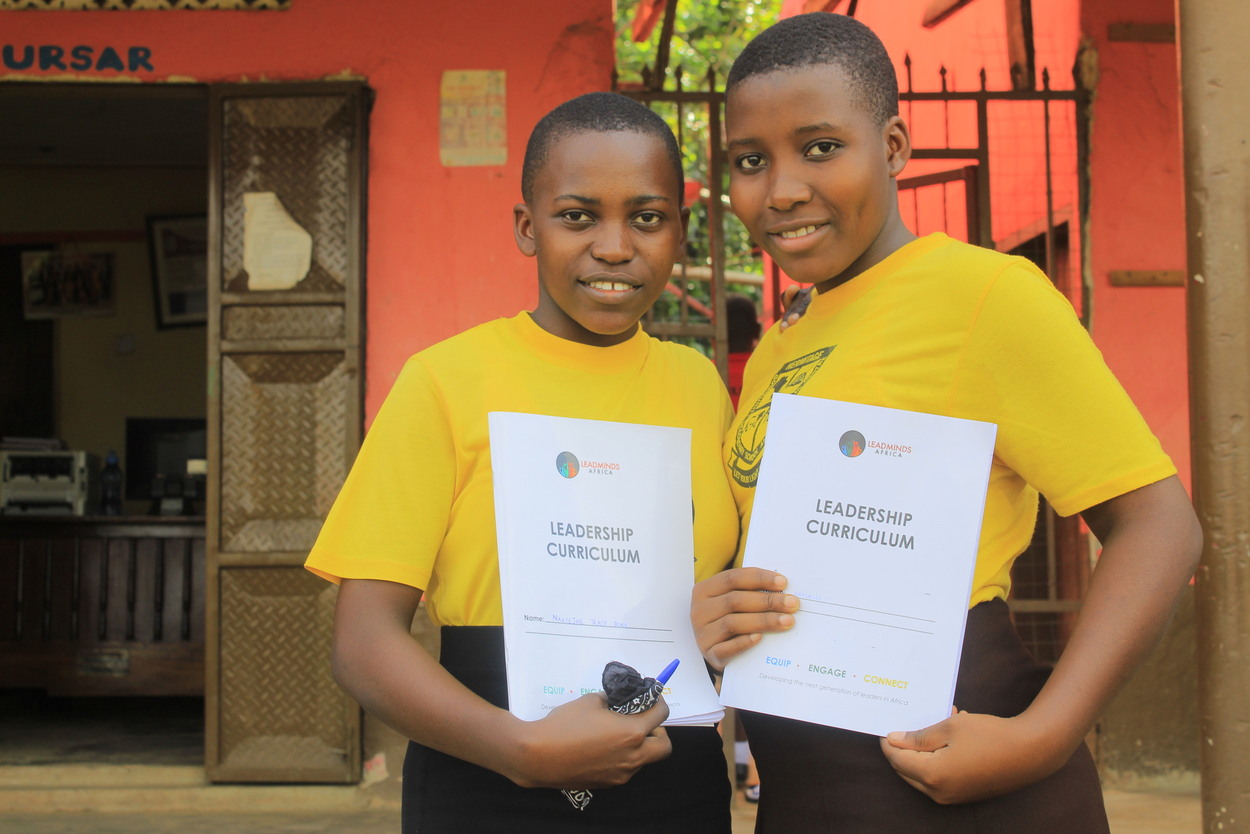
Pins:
x: 926, y: 741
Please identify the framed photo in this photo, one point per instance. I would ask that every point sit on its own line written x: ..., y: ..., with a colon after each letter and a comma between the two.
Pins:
x: 58, y: 283
x: 179, y: 248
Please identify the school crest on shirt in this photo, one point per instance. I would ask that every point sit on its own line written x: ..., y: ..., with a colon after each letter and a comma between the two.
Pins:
x: 748, y: 442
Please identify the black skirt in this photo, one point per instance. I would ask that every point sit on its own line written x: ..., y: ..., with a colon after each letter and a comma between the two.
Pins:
x: 687, y: 793
x: 820, y: 779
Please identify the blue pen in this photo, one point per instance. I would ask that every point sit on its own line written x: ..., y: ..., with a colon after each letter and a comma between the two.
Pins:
x: 668, y: 672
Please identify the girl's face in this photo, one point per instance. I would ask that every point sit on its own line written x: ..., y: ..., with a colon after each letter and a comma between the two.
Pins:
x: 606, y: 224
x: 812, y: 173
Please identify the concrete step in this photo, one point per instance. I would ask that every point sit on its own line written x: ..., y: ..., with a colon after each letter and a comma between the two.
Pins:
x: 119, y: 789
x: 100, y: 776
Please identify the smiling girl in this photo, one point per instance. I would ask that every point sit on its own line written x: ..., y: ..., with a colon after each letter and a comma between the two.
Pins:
x: 934, y: 325
x: 603, y: 220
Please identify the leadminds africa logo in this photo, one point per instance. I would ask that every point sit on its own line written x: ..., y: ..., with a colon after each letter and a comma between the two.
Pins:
x: 852, y: 444
x: 566, y: 464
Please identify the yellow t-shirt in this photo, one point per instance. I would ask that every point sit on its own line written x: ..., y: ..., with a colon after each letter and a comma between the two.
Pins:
x: 946, y: 328
x: 418, y: 505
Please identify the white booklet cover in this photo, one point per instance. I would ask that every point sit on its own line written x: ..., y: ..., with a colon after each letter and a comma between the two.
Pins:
x: 596, y: 559
x: 874, y: 516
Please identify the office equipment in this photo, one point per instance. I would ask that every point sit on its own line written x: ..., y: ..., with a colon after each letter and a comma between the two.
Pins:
x: 45, y: 482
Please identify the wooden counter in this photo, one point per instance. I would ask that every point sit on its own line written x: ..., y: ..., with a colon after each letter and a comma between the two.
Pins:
x: 102, y: 605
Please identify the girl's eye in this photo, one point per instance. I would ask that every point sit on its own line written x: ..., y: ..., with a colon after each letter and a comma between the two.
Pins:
x: 649, y: 218
x: 750, y: 161
x: 822, y: 147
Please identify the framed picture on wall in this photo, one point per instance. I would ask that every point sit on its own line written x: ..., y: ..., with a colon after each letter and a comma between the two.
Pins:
x: 65, y: 282
x: 179, y: 248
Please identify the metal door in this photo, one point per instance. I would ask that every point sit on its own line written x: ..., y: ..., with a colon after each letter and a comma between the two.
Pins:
x: 287, y: 181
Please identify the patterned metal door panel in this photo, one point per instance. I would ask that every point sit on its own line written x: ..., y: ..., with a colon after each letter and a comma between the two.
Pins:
x: 285, y: 405
x: 283, y: 706
x: 285, y: 418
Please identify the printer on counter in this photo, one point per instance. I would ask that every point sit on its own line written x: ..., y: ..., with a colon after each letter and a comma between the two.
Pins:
x: 45, y: 482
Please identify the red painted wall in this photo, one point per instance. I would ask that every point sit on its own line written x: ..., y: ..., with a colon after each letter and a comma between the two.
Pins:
x: 440, y: 250
x: 1137, y: 216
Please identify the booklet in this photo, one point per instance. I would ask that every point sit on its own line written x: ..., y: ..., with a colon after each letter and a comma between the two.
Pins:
x: 596, y: 560
x: 874, y: 516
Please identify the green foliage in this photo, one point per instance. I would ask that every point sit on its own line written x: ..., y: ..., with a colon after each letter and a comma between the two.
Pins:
x: 707, y: 36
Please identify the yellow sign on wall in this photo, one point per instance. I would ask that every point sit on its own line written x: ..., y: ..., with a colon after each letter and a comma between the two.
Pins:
x: 473, y: 117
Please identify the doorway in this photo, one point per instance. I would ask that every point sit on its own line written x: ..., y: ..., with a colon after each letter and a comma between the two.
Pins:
x: 101, y: 619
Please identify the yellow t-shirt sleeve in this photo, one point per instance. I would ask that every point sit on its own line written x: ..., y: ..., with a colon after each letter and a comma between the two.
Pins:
x: 1065, y: 424
x: 389, y: 519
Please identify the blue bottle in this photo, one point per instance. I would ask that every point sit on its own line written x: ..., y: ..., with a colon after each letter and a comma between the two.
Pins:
x: 111, y: 486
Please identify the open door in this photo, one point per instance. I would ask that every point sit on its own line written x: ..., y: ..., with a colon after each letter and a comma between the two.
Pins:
x: 285, y: 419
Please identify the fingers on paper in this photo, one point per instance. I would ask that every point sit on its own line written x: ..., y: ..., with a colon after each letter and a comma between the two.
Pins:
x: 927, y: 740
x: 732, y: 610
x: 733, y: 633
x: 778, y: 608
x: 740, y: 579
x: 726, y: 650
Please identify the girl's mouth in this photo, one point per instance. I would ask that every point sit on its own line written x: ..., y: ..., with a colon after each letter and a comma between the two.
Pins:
x: 797, y: 233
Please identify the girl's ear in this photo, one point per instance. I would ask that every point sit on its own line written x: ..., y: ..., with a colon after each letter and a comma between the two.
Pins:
x: 897, y: 144
x: 679, y: 254
x: 523, y: 229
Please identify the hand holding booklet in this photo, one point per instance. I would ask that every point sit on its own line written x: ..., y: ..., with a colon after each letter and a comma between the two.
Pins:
x: 874, y: 516
x: 596, y: 560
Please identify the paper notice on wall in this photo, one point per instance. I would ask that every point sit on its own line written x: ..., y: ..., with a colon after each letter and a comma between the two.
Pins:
x: 277, y: 252
x: 473, y: 118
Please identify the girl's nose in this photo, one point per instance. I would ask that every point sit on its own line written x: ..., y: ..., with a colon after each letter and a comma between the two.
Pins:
x: 785, y: 190
x: 612, y: 244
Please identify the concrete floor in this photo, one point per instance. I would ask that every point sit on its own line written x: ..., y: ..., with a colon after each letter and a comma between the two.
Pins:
x: 1130, y: 813
x: 85, y: 765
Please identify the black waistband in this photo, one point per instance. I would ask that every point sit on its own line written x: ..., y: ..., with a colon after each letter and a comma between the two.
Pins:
x: 474, y: 655
x: 480, y: 646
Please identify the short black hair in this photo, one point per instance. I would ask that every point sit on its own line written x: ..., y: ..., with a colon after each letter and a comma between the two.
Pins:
x: 741, y: 322
x: 595, y: 113
x: 825, y: 39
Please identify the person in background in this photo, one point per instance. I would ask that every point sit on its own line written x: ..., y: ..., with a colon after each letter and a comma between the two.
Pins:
x: 744, y: 331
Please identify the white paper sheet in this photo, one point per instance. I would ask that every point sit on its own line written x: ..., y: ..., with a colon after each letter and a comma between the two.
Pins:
x: 874, y: 516
x: 596, y: 559
x: 277, y: 251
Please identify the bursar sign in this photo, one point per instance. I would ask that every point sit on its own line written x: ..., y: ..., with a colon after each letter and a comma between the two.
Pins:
x: 81, y: 58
